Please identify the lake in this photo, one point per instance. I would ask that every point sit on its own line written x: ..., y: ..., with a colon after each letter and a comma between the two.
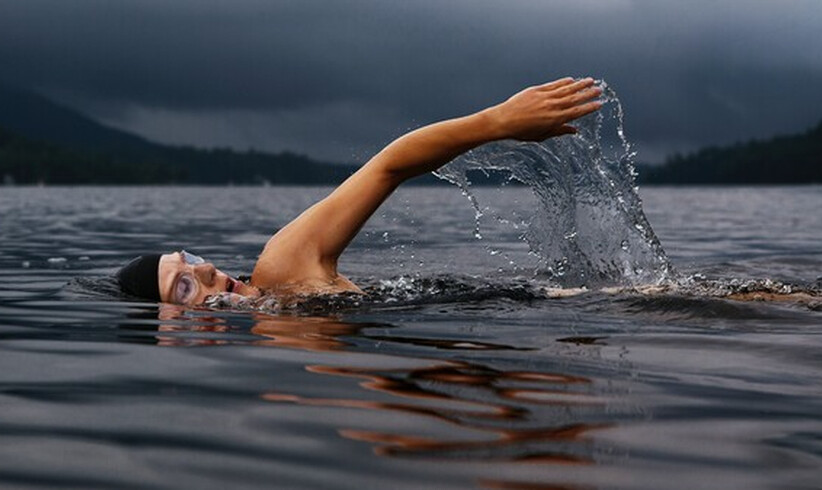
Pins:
x: 461, y: 369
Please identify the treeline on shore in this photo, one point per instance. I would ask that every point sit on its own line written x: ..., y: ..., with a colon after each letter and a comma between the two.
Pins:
x: 795, y: 159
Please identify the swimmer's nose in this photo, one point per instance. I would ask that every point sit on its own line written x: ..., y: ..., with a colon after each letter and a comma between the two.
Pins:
x: 206, y: 273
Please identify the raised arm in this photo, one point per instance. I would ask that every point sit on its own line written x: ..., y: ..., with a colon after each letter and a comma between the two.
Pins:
x: 309, y: 246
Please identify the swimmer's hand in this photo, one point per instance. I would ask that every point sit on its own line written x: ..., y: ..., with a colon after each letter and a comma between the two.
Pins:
x: 543, y: 111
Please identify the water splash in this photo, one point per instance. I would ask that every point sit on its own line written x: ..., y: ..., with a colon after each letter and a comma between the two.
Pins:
x: 589, y: 228
x: 404, y: 291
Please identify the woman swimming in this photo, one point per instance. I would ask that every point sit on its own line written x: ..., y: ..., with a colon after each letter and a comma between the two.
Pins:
x: 301, y: 258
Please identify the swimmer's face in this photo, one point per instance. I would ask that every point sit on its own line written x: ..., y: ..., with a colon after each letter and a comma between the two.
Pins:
x: 188, y: 280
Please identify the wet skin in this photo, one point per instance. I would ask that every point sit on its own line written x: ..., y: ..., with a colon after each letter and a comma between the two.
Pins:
x: 208, y: 279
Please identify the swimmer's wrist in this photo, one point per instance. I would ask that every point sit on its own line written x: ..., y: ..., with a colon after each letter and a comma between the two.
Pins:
x: 492, y: 124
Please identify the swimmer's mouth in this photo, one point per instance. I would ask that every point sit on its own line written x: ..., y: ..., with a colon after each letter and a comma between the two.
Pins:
x: 230, y: 285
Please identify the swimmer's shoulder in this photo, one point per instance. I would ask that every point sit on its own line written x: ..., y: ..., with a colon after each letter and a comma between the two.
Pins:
x: 297, y: 274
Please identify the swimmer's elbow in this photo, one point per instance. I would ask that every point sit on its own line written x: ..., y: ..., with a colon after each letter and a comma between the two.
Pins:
x: 430, y: 147
x: 388, y: 169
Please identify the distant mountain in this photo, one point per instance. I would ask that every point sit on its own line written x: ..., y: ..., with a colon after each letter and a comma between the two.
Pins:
x: 27, y: 161
x: 38, y: 118
x: 795, y: 159
x: 44, y: 142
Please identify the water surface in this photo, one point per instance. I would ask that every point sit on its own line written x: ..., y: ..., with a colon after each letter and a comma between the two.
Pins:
x: 465, y: 374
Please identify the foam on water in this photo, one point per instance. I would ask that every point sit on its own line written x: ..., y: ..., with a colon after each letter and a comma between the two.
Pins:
x: 588, y: 228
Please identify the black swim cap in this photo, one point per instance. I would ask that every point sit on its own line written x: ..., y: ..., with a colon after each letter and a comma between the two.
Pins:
x: 140, y: 277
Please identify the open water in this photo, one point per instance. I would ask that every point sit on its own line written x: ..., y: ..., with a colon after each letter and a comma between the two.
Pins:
x: 550, y: 335
x: 464, y: 370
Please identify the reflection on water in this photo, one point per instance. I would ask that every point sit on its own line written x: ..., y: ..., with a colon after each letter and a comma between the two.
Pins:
x: 498, y: 421
x: 484, y: 413
x: 490, y: 405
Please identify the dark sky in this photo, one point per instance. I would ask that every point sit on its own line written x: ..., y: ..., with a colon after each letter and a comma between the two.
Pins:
x: 338, y: 79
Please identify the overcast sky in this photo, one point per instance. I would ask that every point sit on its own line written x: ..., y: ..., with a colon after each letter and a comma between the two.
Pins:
x: 338, y: 79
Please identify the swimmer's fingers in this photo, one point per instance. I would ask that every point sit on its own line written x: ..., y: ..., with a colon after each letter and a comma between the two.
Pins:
x: 578, y: 111
x: 557, y: 131
x: 566, y: 129
x: 555, y: 84
x: 572, y: 88
x: 580, y: 97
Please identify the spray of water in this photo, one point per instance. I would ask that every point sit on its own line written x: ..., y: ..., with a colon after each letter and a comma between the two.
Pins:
x: 588, y: 228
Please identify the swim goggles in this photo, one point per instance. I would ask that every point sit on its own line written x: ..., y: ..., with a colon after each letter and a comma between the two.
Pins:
x: 187, y: 287
x: 191, y: 259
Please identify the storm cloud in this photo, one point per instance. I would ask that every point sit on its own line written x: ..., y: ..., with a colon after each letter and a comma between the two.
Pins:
x: 336, y: 80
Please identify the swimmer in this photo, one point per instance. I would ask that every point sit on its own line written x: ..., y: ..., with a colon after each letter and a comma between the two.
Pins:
x: 301, y: 258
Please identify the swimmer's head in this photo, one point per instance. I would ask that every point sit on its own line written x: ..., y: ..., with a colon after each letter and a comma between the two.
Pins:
x: 139, y: 277
x: 179, y: 278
